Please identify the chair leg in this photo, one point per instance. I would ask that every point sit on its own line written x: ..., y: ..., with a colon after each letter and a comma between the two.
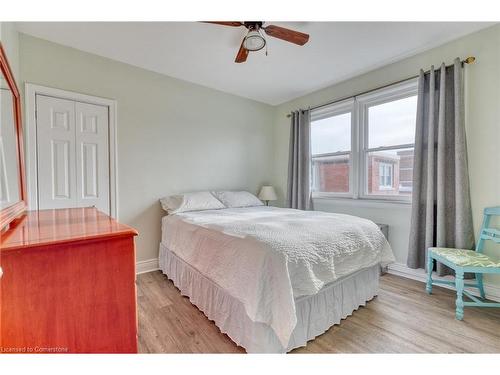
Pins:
x: 480, y: 286
x: 459, y: 284
x: 430, y: 266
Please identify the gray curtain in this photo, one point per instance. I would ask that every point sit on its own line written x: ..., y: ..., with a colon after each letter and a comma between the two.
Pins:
x: 299, y: 162
x: 441, y: 208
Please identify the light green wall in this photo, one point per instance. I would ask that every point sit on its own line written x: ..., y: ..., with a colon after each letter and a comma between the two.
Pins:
x: 482, y: 125
x: 10, y: 41
x: 173, y: 136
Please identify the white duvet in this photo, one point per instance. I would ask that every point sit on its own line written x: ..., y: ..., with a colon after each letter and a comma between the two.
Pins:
x: 266, y: 256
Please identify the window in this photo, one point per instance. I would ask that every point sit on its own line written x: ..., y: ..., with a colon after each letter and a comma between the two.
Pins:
x: 331, y: 149
x: 363, y: 147
x: 388, y: 123
x: 385, y: 171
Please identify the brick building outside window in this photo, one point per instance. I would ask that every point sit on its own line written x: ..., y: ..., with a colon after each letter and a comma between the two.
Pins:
x: 331, y: 173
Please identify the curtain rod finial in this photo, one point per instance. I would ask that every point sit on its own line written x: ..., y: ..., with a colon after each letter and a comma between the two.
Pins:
x: 470, y: 60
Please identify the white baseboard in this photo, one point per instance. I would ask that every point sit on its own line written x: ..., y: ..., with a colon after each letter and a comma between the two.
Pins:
x: 148, y: 265
x: 492, y: 291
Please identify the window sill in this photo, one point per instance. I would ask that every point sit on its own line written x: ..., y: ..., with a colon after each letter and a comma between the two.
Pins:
x: 363, y: 202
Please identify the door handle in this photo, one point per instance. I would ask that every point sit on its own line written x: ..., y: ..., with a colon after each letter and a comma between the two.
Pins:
x: 1, y: 272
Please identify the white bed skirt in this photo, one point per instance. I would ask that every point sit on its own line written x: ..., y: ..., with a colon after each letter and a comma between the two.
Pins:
x: 315, y: 314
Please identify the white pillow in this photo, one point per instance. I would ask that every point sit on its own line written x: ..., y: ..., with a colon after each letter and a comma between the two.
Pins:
x: 199, y: 201
x: 237, y: 199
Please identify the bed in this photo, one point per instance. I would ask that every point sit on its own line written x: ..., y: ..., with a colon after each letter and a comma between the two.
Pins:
x: 273, y: 278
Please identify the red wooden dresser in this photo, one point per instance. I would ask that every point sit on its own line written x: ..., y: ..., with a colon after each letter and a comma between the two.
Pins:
x: 68, y: 284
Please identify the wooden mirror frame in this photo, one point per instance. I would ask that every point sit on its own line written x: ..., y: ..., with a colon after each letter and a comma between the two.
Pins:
x: 8, y: 214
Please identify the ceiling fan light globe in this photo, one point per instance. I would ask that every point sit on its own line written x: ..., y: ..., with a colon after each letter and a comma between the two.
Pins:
x: 254, y: 41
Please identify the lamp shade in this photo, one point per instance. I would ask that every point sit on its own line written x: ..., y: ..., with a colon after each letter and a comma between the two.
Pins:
x: 267, y: 193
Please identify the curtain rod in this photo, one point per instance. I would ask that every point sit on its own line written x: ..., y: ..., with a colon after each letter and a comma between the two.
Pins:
x: 468, y: 60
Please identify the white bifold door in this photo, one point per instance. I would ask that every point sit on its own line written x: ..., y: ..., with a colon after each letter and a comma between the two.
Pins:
x: 72, y: 154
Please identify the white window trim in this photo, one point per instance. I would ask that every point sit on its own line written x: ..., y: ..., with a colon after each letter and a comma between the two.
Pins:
x: 363, y: 102
x: 359, y: 138
x: 336, y: 109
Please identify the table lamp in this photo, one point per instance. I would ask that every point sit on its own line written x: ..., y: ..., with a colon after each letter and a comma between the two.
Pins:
x: 267, y: 194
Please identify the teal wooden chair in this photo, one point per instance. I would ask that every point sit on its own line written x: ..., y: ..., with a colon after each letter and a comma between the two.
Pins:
x: 463, y: 261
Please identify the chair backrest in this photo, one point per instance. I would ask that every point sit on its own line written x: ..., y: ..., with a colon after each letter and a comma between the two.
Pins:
x: 488, y: 233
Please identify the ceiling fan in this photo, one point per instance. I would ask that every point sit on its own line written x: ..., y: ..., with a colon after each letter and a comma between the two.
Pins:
x: 255, y: 41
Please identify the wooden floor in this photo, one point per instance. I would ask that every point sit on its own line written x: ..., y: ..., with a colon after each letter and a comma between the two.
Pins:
x: 402, y: 319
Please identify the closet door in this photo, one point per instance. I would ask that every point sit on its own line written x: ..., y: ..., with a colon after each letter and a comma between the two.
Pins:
x: 56, y: 152
x: 92, y: 156
x: 72, y: 154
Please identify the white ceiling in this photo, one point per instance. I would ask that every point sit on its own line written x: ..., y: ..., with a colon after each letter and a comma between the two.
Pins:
x: 204, y: 53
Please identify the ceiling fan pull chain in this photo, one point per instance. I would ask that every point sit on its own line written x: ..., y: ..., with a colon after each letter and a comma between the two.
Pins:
x: 260, y: 32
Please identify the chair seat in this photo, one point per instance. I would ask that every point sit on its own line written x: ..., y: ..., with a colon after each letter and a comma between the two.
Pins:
x: 465, y: 258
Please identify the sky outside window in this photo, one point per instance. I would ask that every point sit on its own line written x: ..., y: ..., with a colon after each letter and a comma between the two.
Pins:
x: 332, y: 134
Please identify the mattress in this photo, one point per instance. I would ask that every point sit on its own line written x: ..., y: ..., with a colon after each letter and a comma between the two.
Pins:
x: 315, y: 313
x: 266, y: 258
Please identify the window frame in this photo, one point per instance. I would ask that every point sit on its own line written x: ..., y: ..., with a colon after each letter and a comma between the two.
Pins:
x: 336, y: 109
x: 384, y: 166
x: 358, y: 166
x: 389, y: 94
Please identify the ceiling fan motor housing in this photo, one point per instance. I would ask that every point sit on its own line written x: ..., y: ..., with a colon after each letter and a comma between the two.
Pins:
x: 253, y: 24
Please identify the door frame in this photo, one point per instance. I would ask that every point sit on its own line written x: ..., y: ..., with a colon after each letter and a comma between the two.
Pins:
x: 31, y: 90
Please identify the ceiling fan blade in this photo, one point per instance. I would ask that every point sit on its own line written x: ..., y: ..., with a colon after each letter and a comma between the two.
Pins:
x: 287, y: 34
x: 242, y: 54
x: 229, y: 23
